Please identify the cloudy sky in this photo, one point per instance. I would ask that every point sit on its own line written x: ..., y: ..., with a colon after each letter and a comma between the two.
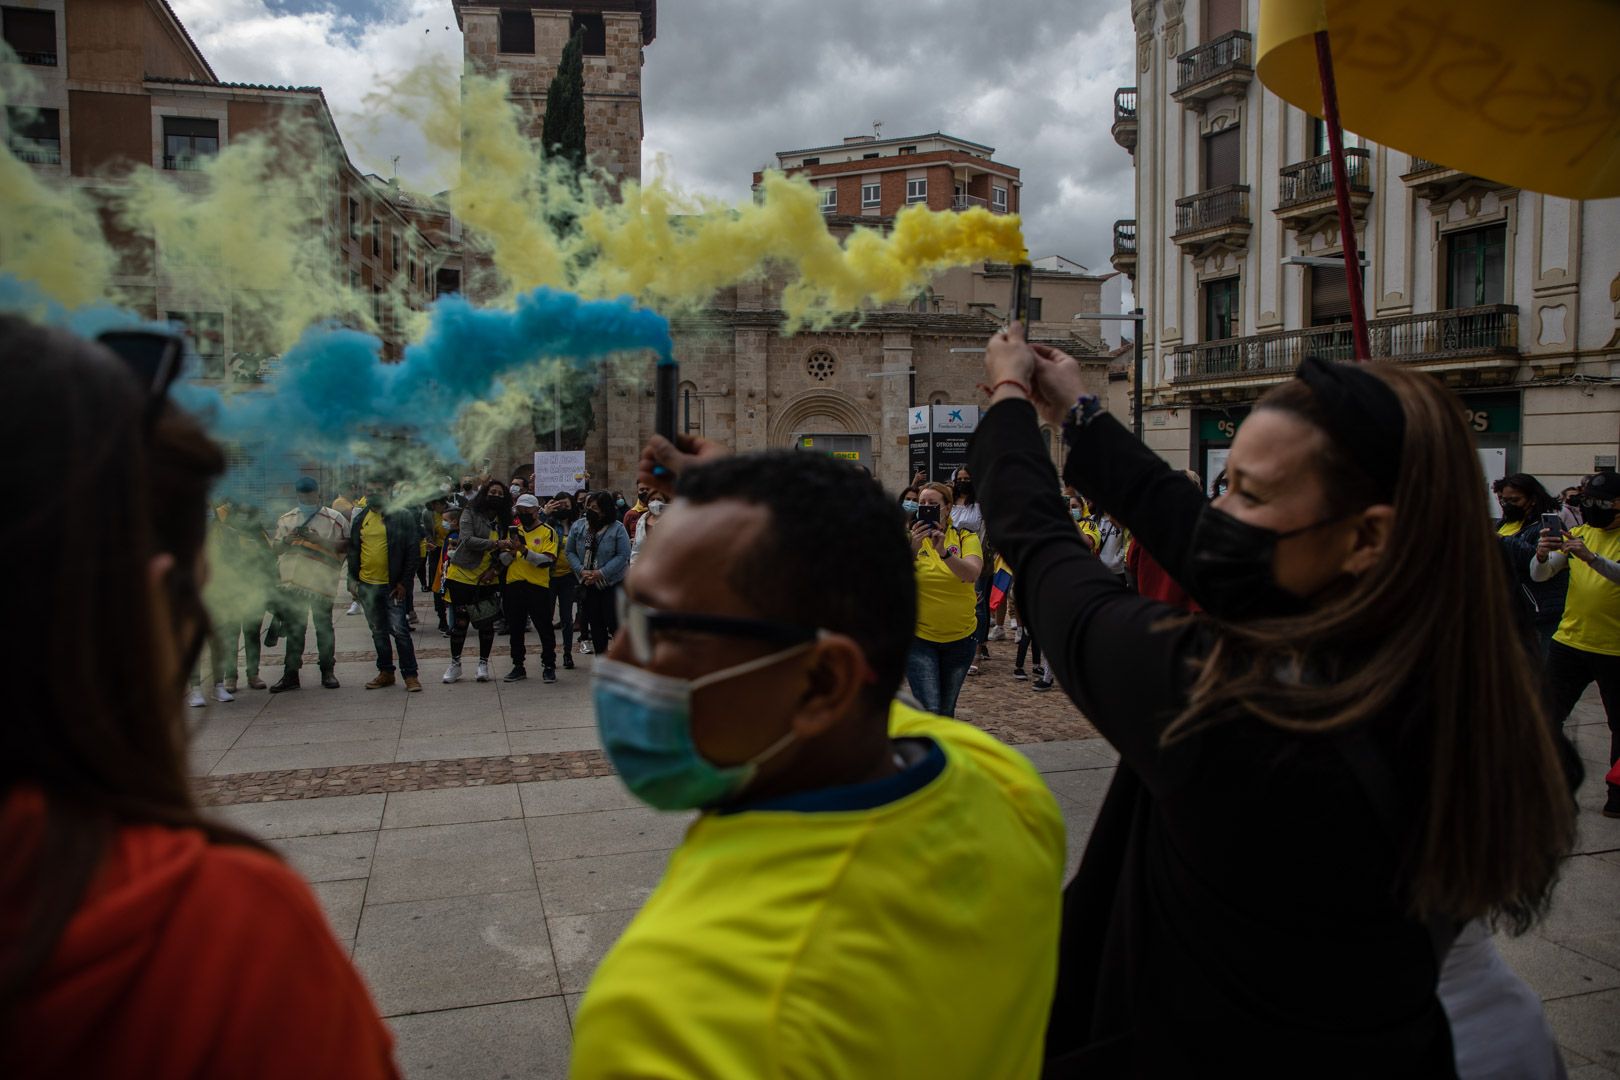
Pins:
x: 730, y: 82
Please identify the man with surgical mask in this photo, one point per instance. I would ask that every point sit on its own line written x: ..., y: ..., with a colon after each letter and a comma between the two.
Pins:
x: 869, y: 890
x: 1586, y: 647
x: 310, y: 543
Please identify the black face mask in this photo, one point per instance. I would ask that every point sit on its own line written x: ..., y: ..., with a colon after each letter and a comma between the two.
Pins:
x: 1599, y: 517
x: 1512, y: 513
x: 1229, y: 568
x: 964, y: 490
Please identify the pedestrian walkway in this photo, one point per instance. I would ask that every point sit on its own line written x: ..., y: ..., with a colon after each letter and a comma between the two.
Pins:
x: 473, y: 851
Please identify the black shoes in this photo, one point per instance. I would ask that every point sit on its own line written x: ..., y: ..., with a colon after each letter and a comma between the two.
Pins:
x: 329, y: 680
x: 568, y: 662
x: 548, y: 675
x: 289, y: 681
x: 1612, y: 807
x: 517, y: 674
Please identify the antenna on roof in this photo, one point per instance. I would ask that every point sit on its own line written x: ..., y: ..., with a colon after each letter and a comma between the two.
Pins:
x: 877, y: 129
x: 396, y: 166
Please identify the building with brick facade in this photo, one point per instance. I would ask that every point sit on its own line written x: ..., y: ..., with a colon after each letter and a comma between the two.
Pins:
x: 876, y: 177
x: 1511, y: 297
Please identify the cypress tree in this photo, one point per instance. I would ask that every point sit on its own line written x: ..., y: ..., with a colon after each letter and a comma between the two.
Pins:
x: 563, y: 133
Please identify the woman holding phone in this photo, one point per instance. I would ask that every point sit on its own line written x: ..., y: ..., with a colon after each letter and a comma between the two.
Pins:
x: 947, y: 560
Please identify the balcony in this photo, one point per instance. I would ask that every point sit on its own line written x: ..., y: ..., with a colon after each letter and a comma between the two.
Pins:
x: 37, y: 151
x: 1305, y: 189
x: 1440, y: 183
x: 183, y: 164
x: 1215, y: 218
x: 38, y: 59
x: 968, y: 202
x: 1124, y: 128
x: 1475, y: 337
x: 1214, y: 69
x: 1124, y: 257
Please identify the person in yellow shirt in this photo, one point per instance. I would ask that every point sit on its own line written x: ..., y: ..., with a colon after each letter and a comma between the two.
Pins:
x: 1084, y: 520
x: 1586, y: 647
x: 946, y: 562
x: 532, y: 549
x: 870, y: 891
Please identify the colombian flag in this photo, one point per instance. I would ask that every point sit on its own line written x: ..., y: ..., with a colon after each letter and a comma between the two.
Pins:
x: 1000, y: 584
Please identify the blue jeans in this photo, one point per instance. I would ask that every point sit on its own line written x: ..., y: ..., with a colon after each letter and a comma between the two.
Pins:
x: 935, y: 670
x: 387, y: 620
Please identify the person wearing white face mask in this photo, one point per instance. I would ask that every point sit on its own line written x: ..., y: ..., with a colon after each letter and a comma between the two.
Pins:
x: 852, y: 848
x: 645, y: 523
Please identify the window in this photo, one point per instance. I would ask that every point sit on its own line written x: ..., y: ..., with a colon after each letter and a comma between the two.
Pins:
x: 868, y: 157
x: 376, y: 238
x: 1330, y: 295
x: 1475, y: 261
x: 188, y: 141
x: 206, y: 330
x: 908, y: 150
x: 393, y: 244
x: 410, y: 270
x: 354, y: 219
x: 1319, y: 138
x: 998, y: 199
x: 812, y: 161
x: 829, y: 199
x: 1034, y: 309
x: 517, y: 32
x: 594, y: 28
x: 34, y: 135
x: 31, y: 34
x: 1223, y: 152
x: 871, y: 195
x: 1221, y: 309
x: 1221, y: 17
x: 447, y: 282
x: 916, y: 191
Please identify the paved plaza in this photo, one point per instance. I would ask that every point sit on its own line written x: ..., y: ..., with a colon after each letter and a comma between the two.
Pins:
x: 473, y: 850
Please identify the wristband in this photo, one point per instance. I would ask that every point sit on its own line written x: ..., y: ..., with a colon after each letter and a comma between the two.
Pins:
x: 990, y: 390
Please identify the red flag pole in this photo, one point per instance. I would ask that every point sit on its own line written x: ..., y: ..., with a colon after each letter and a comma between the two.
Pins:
x: 1341, y: 192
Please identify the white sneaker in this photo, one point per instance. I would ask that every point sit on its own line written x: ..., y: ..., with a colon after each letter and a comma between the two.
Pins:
x: 222, y: 694
x: 354, y: 607
x: 453, y: 672
x: 584, y: 646
x: 196, y: 699
x: 483, y: 671
x: 996, y: 633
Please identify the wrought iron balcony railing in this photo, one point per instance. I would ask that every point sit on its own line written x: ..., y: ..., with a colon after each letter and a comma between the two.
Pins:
x: 1312, y: 179
x: 1228, y: 54
x: 1209, y: 209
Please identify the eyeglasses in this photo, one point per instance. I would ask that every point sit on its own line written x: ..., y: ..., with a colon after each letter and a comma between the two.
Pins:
x: 1591, y: 503
x: 640, y: 622
x: 154, y: 359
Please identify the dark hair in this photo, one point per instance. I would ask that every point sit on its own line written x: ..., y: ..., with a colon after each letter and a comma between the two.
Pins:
x: 1495, y: 815
x: 603, y: 502
x: 962, y: 489
x: 1541, y: 501
x: 99, y: 734
x: 872, y: 598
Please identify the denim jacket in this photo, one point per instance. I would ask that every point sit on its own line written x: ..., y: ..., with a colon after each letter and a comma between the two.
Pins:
x: 612, y: 554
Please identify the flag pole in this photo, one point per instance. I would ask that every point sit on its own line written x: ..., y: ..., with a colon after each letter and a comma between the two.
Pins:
x: 1341, y: 193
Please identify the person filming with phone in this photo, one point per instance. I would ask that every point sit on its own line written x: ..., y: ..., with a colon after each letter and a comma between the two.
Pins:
x: 1586, y: 647
x: 947, y: 561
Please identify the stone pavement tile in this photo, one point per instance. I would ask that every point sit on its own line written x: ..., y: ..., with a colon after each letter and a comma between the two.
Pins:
x: 1070, y: 754
x: 341, y: 900
x: 515, y: 1040
x: 337, y: 857
x: 450, y: 747
x: 1594, y: 833
x: 452, y: 806
x: 1085, y: 787
x: 1604, y: 948
x: 544, y: 715
x: 1552, y: 970
x: 604, y: 832
x: 431, y: 723
x: 200, y: 762
x: 1586, y: 900
x: 305, y: 733
x: 1077, y: 823
x: 580, y: 942
x: 1590, y: 1025
x: 305, y: 756
x: 576, y: 796
x: 1592, y: 1072
x: 425, y: 955
x: 218, y: 731
x: 306, y: 817
x: 434, y: 861
x: 573, y: 1000
x: 599, y: 882
x: 1592, y: 741
x: 555, y: 740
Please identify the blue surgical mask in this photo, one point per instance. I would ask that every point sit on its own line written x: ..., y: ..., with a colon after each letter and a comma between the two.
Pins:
x: 909, y: 506
x: 645, y: 721
x: 1076, y: 513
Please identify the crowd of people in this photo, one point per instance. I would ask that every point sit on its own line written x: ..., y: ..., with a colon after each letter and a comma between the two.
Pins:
x: 1325, y: 800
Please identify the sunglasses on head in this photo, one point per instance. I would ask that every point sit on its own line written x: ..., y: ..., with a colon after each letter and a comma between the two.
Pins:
x: 153, y: 357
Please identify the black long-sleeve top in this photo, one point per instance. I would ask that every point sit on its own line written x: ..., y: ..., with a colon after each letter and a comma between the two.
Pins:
x: 1238, y: 903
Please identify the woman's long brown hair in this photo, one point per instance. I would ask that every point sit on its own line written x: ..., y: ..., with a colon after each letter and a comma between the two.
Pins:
x: 91, y: 494
x: 1428, y: 637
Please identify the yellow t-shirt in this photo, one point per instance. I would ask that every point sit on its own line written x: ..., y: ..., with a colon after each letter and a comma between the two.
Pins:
x: 543, y: 539
x: 1089, y: 530
x: 1591, y: 620
x: 561, y: 566
x: 945, y: 605
x: 373, y: 550
x: 917, y: 938
x: 1509, y: 528
x: 470, y: 577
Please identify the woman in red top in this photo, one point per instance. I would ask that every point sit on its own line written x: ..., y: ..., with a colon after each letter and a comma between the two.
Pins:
x: 137, y: 938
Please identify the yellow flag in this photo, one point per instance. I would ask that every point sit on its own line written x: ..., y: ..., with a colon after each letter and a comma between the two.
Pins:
x: 1523, y: 94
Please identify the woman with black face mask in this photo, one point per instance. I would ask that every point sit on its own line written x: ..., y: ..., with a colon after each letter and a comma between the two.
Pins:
x: 474, y: 576
x: 1321, y: 782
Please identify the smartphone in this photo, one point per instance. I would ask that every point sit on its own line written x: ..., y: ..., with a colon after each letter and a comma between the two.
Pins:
x: 1552, y: 523
x: 1023, y: 281
x: 928, y: 514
